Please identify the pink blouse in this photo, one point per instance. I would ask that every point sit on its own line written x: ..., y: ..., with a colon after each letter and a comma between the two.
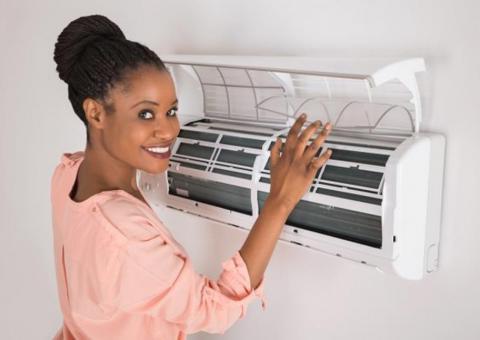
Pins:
x: 121, y: 274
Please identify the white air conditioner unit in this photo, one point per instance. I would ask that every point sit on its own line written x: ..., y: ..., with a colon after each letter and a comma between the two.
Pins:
x: 376, y: 201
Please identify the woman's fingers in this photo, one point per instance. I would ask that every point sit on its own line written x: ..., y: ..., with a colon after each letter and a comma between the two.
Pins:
x: 292, y: 136
x: 318, y: 162
x: 314, y: 146
x: 275, y: 153
x: 296, y: 145
x: 304, y: 138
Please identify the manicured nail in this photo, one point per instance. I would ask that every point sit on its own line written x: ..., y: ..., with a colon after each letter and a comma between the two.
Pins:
x: 328, y: 126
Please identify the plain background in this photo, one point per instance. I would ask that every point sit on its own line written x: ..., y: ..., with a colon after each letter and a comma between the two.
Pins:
x: 310, y: 295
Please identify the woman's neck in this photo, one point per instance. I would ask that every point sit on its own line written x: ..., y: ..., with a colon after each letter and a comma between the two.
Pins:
x: 99, y: 171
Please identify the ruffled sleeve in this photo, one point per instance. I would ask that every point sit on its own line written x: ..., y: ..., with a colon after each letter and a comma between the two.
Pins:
x: 156, y: 278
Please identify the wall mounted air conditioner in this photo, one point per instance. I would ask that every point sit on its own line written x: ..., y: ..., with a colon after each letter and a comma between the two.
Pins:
x: 376, y: 201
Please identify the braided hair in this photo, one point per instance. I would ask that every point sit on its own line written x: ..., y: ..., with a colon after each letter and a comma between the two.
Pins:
x: 92, y: 56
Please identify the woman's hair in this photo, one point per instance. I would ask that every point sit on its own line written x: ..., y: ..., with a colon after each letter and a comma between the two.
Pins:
x: 93, y: 55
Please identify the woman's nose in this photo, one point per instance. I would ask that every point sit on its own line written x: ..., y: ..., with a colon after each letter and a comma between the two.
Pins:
x: 167, y: 129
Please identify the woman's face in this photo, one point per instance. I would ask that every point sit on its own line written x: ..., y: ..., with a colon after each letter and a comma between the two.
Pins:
x: 145, y: 116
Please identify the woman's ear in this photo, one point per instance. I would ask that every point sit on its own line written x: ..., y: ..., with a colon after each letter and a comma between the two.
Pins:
x: 94, y: 113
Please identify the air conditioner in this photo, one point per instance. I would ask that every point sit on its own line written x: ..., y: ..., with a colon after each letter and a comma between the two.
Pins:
x: 377, y: 200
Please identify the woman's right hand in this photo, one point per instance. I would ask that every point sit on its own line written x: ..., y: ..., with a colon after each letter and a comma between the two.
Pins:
x: 292, y: 172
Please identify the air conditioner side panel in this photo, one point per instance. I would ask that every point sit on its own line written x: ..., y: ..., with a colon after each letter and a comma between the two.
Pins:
x: 437, y: 161
x: 412, y: 177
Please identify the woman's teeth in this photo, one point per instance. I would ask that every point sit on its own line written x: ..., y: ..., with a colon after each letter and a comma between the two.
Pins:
x: 158, y: 149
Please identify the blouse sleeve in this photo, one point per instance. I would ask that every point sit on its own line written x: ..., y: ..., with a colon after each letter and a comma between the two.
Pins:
x: 157, y: 278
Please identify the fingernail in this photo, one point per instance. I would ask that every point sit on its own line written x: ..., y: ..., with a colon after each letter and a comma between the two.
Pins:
x: 303, y: 115
x: 328, y: 126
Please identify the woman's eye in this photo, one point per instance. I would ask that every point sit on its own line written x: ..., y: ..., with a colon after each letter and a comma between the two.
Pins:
x: 172, y: 112
x: 141, y: 114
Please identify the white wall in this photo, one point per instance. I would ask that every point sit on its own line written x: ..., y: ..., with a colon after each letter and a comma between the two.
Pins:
x: 310, y: 296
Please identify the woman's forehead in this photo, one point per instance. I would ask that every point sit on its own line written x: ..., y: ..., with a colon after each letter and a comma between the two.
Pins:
x: 146, y: 84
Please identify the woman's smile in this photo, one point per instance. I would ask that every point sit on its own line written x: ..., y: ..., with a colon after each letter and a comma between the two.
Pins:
x: 159, y: 152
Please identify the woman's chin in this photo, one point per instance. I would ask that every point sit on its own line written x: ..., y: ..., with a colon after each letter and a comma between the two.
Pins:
x: 157, y: 168
x: 154, y: 164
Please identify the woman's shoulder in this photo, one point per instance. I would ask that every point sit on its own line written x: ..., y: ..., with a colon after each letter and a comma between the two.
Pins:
x: 66, y: 161
x: 134, y: 223
x: 127, y: 217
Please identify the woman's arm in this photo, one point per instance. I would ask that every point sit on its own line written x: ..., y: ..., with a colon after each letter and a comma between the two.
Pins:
x: 292, y: 173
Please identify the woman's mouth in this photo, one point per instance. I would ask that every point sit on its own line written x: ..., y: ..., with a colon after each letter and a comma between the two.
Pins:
x: 158, y: 152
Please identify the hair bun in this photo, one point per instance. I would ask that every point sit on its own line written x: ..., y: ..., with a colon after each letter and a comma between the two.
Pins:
x: 78, y: 34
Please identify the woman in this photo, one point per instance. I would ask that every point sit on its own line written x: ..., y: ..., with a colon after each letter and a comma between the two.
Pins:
x: 120, y: 273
